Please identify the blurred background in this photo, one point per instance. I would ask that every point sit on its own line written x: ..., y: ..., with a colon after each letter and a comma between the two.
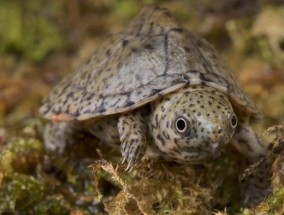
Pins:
x: 41, y: 41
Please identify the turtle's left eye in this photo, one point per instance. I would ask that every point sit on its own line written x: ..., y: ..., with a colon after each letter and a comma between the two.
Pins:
x: 182, y: 126
x: 234, y: 120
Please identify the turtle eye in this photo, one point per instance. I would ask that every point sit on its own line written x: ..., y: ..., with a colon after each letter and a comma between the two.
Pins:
x: 234, y: 120
x: 182, y: 126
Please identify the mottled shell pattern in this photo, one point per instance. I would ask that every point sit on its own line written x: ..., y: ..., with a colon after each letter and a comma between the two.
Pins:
x: 152, y: 57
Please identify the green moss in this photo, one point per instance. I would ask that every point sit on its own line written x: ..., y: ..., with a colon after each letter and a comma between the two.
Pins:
x: 53, y: 205
x: 10, y: 24
x: 23, y: 191
x: 35, y: 182
x: 276, y: 201
x: 125, y: 9
x: 25, y: 30
x: 40, y: 38
x: 11, y: 152
x: 19, y: 191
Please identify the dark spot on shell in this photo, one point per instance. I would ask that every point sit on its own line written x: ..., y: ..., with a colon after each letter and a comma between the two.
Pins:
x: 101, y: 110
x: 161, y: 29
x: 167, y: 13
x: 149, y: 47
x: 134, y: 49
x: 151, y: 26
x: 124, y: 43
x: 56, y: 111
x: 187, y: 49
x: 155, y: 92
x: 130, y: 103
x: 87, y: 111
x: 108, y: 53
x: 76, y: 113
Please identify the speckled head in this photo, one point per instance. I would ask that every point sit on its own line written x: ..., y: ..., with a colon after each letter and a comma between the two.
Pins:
x: 192, y: 125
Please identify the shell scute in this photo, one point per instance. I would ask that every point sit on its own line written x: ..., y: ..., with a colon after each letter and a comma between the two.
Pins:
x: 152, y: 57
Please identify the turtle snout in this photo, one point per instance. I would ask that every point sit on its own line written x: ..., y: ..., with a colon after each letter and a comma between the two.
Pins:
x: 217, y: 139
x: 216, y: 134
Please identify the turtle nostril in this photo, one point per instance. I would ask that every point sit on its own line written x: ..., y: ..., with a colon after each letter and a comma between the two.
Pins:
x: 220, y: 132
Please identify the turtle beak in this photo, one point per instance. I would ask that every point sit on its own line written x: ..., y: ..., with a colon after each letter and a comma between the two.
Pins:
x: 215, y: 146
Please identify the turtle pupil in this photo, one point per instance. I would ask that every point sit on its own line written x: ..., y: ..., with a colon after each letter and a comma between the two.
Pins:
x: 181, y: 124
x: 234, y: 120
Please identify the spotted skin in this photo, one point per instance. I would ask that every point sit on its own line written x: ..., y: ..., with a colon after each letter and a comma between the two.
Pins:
x: 208, y: 115
x: 132, y: 128
x: 157, y: 86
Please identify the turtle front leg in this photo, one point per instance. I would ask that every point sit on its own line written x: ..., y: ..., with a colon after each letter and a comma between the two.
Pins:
x: 256, y: 184
x: 132, y: 129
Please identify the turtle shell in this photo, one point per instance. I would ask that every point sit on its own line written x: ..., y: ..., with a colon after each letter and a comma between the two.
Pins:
x: 152, y: 57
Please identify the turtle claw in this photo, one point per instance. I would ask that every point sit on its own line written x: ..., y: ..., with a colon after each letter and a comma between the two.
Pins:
x: 130, y: 167
x: 123, y: 161
x: 132, y: 156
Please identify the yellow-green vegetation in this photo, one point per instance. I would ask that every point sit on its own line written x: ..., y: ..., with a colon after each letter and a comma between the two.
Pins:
x: 35, y: 182
x: 159, y: 188
x: 28, y: 30
x: 41, y: 41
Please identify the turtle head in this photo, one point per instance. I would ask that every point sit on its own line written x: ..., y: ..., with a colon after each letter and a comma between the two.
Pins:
x: 193, y: 125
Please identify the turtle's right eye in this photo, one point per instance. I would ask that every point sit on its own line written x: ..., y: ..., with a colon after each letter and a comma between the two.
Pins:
x: 234, y: 120
x: 182, y: 126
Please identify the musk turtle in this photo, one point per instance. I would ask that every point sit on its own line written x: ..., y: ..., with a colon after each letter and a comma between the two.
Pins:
x: 156, y: 86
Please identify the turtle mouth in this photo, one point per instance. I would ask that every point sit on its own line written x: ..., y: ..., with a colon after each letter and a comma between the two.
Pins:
x: 214, y: 148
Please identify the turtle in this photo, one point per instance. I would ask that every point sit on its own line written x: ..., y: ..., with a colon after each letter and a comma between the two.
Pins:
x: 158, y: 89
